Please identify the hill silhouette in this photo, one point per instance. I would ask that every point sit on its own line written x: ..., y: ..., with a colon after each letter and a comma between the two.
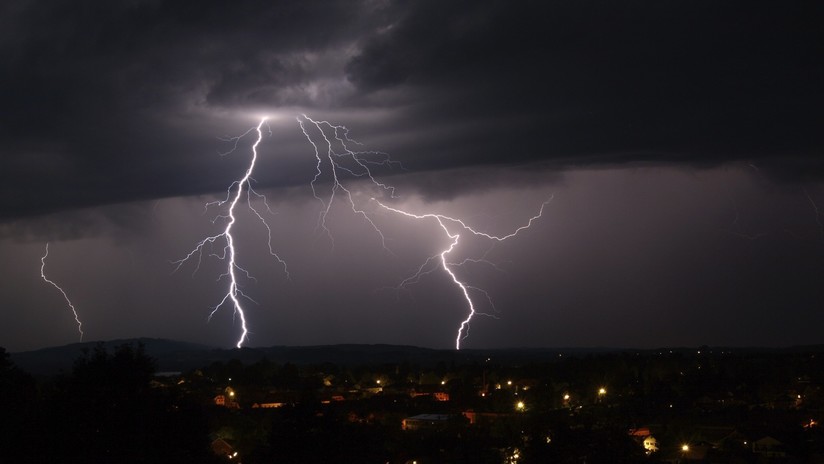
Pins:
x: 177, y: 356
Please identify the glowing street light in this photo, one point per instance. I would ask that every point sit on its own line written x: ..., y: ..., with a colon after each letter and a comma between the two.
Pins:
x: 602, y: 391
x: 520, y: 406
x: 685, y: 447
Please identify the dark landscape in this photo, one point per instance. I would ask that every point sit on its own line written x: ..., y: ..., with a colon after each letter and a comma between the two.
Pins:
x: 152, y: 400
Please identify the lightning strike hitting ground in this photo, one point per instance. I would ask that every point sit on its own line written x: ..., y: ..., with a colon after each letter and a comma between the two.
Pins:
x: 463, y: 329
x: 343, y: 161
x: 71, y: 306
x: 242, y: 188
x: 343, y: 164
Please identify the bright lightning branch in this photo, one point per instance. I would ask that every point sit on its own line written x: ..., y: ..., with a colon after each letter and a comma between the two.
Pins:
x: 65, y: 297
x: 240, y: 190
x: 444, y: 222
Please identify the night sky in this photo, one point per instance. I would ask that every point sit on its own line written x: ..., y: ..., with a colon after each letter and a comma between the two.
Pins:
x: 681, y: 143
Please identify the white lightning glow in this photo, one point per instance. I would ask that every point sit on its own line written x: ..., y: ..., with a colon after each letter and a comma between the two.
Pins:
x: 343, y: 162
x: 65, y: 297
x: 333, y: 153
x: 448, y: 267
x: 237, y: 191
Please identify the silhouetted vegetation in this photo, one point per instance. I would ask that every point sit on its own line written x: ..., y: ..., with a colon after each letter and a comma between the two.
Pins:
x: 104, y: 410
x: 17, y: 402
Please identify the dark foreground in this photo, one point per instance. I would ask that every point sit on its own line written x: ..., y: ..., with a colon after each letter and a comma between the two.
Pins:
x: 702, y: 405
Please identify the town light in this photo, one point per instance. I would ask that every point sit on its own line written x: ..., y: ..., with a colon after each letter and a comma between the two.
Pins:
x: 602, y: 391
x: 685, y: 447
x: 520, y: 406
x: 566, y: 396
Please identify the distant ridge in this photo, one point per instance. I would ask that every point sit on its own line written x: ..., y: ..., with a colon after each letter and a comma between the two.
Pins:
x: 177, y: 356
x: 53, y: 360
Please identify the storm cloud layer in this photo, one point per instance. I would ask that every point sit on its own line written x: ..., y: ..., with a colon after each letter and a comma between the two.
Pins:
x: 117, y: 101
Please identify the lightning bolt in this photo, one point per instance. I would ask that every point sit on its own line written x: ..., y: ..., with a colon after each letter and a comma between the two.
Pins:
x: 343, y: 162
x: 71, y: 306
x: 427, y: 268
x: 239, y: 190
x: 816, y: 211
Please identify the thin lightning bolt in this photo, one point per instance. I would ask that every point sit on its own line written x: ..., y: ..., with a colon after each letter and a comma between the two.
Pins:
x: 343, y: 162
x: 817, y: 213
x: 237, y: 191
x: 442, y: 220
x: 71, y: 306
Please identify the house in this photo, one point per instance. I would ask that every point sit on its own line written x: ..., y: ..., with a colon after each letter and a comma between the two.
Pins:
x: 769, y: 447
x: 426, y: 421
x: 643, y: 436
x: 222, y: 448
x: 650, y: 444
x: 268, y: 405
x: 484, y: 417
x: 221, y: 400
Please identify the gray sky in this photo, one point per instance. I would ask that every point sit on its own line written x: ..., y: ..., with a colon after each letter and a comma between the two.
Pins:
x: 680, y: 143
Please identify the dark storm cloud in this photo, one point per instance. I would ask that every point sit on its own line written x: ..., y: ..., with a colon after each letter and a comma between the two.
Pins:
x: 110, y: 101
x: 116, y: 101
x: 698, y: 82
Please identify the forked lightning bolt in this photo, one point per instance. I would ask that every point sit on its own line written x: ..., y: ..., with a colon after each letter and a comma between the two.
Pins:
x: 237, y: 191
x: 344, y: 164
x: 463, y: 329
x: 71, y: 306
x: 343, y: 161
x: 334, y: 151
